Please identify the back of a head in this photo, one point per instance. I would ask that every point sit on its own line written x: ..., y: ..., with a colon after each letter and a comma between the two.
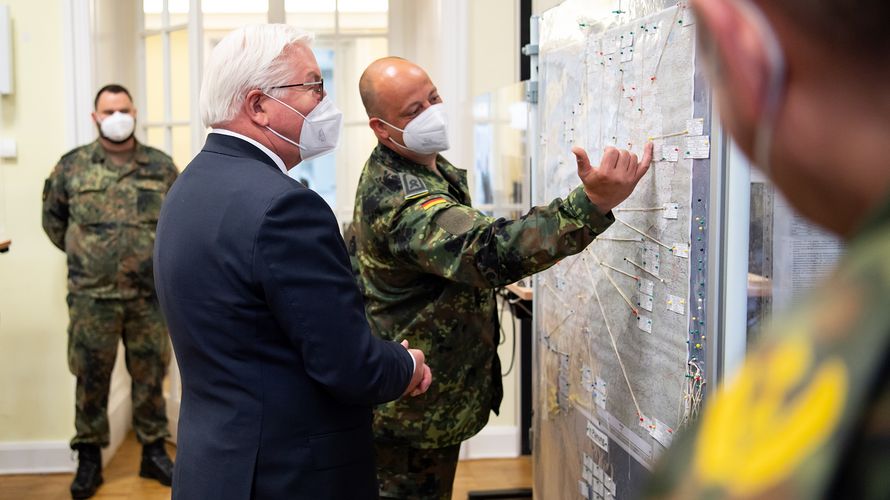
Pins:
x: 857, y: 28
x: 247, y: 58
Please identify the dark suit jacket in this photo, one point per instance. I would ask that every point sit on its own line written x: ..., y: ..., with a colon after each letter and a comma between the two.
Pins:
x: 279, y: 368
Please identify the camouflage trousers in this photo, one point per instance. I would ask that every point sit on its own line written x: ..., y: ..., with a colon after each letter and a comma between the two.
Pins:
x: 95, y: 327
x: 415, y: 474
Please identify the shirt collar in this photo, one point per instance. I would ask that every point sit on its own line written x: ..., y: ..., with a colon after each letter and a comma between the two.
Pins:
x: 278, y: 161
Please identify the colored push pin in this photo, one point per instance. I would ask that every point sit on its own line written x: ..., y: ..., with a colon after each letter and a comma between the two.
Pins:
x: 698, y: 346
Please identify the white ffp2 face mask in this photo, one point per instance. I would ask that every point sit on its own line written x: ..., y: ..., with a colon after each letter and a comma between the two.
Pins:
x: 321, y: 129
x: 118, y: 127
x: 427, y: 133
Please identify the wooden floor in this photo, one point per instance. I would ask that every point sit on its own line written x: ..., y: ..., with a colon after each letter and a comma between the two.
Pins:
x: 122, y: 481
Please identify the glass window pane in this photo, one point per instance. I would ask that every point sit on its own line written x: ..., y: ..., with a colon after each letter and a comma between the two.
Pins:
x: 788, y: 255
x: 320, y: 175
x: 151, y: 13
x: 154, y: 81
x: 498, y: 176
x: 179, y: 75
x: 355, y: 55
x: 233, y: 7
x: 222, y: 16
x: 316, y: 16
x: 363, y: 16
x: 370, y: 6
x: 179, y: 11
x: 358, y: 142
x: 154, y: 137
x: 182, y: 146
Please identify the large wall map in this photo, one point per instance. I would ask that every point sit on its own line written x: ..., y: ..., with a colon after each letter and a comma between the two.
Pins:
x: 620, y: 344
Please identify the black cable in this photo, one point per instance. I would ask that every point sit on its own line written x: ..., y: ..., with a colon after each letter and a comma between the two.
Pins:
x: 506, y: 300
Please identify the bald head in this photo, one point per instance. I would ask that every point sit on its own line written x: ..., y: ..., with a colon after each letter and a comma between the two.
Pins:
x: 390, y: 83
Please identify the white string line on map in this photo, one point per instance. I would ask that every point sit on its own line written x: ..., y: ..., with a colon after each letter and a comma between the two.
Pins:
x: 667, y: 38
x: 615, y: 348
x: 558, y: 297
x: 622, y: 240
x: 618, y: 108
x: 569, y: 266
x: 645, y: 235
x: 667, y: 136
x: 641, y: 268
x: 615, y: 285
x: 647, y: 209
x: 553, y: 332
x: 619, y: 271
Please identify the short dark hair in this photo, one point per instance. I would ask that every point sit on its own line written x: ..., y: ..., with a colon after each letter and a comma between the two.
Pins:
x: 859, y: 26
x: 114, y: 89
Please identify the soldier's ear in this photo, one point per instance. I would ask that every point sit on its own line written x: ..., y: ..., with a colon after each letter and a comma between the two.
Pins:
x: 380, y: 129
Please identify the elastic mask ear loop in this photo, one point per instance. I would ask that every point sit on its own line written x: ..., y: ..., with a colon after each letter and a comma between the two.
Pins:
x: 280, y: 136
x: 766, y: 124
x: 286, y: 105
x: 390, y: 137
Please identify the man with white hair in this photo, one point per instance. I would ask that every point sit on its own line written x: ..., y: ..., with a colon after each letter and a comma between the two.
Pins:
x: 279, y: 368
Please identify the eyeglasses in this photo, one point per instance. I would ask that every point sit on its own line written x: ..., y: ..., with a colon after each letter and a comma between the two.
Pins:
x: 317, y: 87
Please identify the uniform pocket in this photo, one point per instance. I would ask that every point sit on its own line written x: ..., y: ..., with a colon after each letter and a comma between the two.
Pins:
x: 149, y: 199
x: 90, y: 202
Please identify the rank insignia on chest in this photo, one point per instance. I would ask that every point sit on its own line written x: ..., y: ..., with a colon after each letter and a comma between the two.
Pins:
x: 413, y: 186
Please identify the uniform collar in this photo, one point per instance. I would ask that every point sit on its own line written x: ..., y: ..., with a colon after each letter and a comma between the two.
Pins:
x: 453, y: 176
x: 140, y: 155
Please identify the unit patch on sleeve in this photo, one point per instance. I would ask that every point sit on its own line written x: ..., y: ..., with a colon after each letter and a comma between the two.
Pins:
x: 412, y: 186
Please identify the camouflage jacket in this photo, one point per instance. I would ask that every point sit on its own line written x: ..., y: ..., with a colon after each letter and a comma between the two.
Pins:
x: 428, y: 264
x: 104, y: 216
x: 808, y: 416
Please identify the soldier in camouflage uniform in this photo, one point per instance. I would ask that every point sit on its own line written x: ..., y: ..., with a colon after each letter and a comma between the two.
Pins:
x: 808, y: 415
x: 429, y: 263
x: 100, y: 206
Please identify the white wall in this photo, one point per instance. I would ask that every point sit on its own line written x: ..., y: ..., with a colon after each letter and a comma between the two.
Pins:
x: 37, y: 400
x: 116, y: 43
x: 47, y: 115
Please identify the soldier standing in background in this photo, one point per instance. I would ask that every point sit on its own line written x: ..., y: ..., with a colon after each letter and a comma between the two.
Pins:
x: 429, y: 263
x: 100, y: 206
x: 802, y: 87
